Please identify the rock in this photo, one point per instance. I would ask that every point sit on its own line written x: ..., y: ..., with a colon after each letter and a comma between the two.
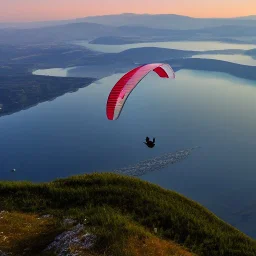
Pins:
x: 69, y: 222
x: 88, y: 240
x: 46, y: 216
x: 63, y: 243
x: 3, y: 254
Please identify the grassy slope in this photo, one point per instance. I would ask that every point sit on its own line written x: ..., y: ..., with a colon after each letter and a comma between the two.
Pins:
x: 28, y: 233
x: 20, y: 231
x: 121, y: 209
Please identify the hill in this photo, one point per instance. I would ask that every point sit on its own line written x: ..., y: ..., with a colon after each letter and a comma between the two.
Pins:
x: 58, y: 33
x: 115, y: 215
x: 241, y: 71
x: 24, y: 91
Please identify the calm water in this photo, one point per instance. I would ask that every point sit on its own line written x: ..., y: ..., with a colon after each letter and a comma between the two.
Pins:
x: 71, y: 135
x: 187, y: 45
x: 235, y: 58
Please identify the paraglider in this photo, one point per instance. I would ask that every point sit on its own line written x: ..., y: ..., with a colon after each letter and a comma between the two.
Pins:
x: 123, y: 88
x: 150, y: 143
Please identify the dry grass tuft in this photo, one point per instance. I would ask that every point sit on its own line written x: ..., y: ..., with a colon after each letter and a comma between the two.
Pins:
x: 25, y: 233
x: 153, y: 246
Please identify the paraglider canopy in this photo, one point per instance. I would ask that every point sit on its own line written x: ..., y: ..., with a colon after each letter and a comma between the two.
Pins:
x: 128, y: 82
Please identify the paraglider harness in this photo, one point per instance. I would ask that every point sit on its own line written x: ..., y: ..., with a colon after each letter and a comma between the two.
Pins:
x: 150, y: 143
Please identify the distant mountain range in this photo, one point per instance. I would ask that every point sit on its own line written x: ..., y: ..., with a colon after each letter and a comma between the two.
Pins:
x: 58, y: 33
x: 106, y: 34
x: 168, y: 21
x: 131, y: 28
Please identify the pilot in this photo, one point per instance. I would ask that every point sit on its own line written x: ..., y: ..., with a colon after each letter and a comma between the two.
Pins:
x: 150, y: 143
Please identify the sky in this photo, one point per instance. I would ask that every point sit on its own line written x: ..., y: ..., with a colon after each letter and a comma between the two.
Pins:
x: 38, y: 10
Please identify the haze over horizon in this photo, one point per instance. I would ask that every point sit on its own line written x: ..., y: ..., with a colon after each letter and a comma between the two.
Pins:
x: 43, y: 10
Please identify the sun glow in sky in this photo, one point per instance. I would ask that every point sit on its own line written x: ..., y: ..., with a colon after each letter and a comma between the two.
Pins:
x: 36, y: 10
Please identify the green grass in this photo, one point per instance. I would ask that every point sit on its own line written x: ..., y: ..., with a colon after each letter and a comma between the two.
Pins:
x: 117, y: 207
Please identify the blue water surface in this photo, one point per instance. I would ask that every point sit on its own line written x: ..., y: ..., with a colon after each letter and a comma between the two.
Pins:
x: 71, y: 135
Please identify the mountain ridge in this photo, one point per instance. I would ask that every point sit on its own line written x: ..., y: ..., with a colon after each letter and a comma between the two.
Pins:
x: 106, y: 19
x: 116, y: 208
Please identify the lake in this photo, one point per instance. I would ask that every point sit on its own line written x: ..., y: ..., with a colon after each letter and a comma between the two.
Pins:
x: 234, y: 58
x: 71, y: 135
x: 186, y: 46
x: 182, y: 45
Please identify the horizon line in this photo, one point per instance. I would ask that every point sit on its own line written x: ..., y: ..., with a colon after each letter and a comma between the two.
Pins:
x: 119, y: 14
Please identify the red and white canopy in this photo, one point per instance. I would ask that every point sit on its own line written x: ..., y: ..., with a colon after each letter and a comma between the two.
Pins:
x: 123, y: 88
